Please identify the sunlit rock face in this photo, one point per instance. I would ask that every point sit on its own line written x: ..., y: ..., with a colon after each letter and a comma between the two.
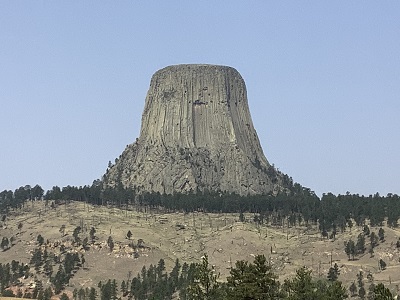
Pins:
x: 196, y: 135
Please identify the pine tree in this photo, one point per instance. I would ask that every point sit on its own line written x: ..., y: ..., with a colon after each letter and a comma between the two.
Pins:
x: 92, y: 294
x: 361, y: 292
x: 335, y: 291
x: 373, y: 239
x: 366, y: 230
x: 92, y: 234
x: 333, y: 273
x: 301, y: 287
x: 204, y: 285
x: 5, y: 243
x: 40, y: 240
x: 353, y: 289
x: 110, y: 243
x: 382, y: 293
x: 360, y: 246
x: 253, y: 280
x: 382, y: 264
x: 381, y: 235
x: 76, y: 233
x: 350, y: 249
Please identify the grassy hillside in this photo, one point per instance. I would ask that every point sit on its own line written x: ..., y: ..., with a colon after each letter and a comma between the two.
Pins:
x: 188, y: 236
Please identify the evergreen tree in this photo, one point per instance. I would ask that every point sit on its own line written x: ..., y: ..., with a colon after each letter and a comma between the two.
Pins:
x: 382, y: 264
x: 361, y: 292
x: 381, y: 235
x: 92, y: 234
x: 360, y: 278
x: 366, y: 230
x: 76, y: 233
x: 371, y: 293
x: 47, y: 294
x: 301, y: 287
x: 382, y: 293
x: 174, y: 275
x: 360, y: 246
x: 373, y: 239
x: 252, y: 281
x: 335, y: 291
x: 92, y: 294
x: 110, y: 243
x: 5, y: 243
x: 353, y: 289
x: 204, y: 285
x: 40, y: 240
x: 333, y: 273
x: 350, y: 249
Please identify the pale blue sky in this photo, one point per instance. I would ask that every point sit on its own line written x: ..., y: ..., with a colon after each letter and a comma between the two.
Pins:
x: 323, y: 82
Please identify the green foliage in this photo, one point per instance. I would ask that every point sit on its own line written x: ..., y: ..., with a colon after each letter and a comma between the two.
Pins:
x: 110, y: 243
x: 360, y: 246
x: 382, y: 264
x: 361, y: 292
x: 382, y: 293
x: 36, y: 259
x: 253, y: 281
x: 204, y: 284
x: 360, y: 278
x: 76, y: 233
x: 8, y: 293
x: 92, y: 233
x: 241, y: 217
x: 373, y: 239
x: 366, y: 230
x: 350, y: 249
x: 332, y: 212
x: 333, y: 273
x: 301, y: 287
x: 381, y: 235
x: 64, y: 296
x: 40, y: 240
x: 5, y: 243
x: 335, y: 291
x: 353, y: 289
x: 85, y: 243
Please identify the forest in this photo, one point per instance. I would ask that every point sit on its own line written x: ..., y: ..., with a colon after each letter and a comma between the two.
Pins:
x: 198, y: 281
x: 247, y: 280
x: 331, y: 212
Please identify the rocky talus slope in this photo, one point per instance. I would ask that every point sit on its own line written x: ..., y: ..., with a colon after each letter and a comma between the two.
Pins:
x: 196, y: 135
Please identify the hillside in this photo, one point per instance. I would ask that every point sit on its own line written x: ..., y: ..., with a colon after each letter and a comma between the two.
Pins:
x: 188, y: 236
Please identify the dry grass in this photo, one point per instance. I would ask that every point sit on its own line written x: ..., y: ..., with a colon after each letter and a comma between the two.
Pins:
x: 221, y: 236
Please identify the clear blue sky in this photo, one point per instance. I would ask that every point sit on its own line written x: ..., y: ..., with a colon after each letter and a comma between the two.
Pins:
x: 323, y: 81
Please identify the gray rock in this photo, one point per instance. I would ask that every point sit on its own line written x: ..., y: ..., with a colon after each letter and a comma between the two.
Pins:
x: 196, y: 135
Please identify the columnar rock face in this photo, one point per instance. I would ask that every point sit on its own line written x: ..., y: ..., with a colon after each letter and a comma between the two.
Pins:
x: 196, y: 135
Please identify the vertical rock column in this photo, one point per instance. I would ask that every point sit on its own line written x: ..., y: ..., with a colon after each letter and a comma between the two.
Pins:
x: 196, y: 134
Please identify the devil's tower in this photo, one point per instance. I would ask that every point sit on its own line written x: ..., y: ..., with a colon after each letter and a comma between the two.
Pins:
x: 196, y: 135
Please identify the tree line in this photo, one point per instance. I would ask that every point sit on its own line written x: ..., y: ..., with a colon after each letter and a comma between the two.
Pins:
x: 333, y: 213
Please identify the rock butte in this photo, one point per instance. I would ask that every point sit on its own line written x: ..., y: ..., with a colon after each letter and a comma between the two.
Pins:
x: 196, y: 135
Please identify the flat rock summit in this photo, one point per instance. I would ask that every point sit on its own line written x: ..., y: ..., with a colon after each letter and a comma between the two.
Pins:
x: 196, y: 135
